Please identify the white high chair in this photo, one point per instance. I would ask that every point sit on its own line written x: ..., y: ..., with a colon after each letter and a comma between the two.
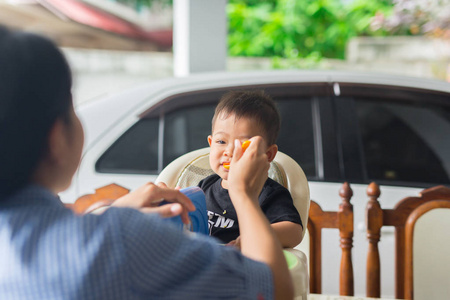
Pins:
x: 190, y: 168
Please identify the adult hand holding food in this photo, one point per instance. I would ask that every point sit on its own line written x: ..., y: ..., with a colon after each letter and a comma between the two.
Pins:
x: 246, y: 177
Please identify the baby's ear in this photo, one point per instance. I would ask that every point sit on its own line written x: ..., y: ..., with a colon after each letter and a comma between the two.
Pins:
x: 272, y: 152
x: 209, y: 140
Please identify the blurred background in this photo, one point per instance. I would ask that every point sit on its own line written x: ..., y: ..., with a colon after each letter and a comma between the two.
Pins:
x: 380, y: 127
x: 115, y: 44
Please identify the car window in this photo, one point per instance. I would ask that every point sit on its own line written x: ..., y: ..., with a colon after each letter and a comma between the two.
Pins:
x: 136, y: 151
x: 405, y: 142
x: 186, y: 130
x: 296, y: 137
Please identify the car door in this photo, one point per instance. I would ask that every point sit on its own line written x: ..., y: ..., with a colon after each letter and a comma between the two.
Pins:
x: 398, y: 137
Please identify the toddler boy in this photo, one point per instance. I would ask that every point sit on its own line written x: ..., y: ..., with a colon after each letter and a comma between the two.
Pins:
x: 242, y: 115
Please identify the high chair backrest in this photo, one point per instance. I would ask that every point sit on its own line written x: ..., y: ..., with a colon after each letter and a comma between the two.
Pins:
x: 190, y: 168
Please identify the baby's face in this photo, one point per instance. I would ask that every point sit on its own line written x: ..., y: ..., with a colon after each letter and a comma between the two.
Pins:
x: 225, y: 131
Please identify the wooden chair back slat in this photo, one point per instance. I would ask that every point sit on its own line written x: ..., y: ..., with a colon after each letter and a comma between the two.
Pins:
x: 374, y: 222
x: 343, y: 221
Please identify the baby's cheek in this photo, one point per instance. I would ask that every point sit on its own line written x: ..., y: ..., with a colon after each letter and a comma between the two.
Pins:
x: 212, y: 161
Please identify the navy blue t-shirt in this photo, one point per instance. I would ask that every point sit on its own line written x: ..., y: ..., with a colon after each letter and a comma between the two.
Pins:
x: 275, y: 201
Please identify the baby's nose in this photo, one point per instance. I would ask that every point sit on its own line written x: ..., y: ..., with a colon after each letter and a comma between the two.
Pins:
x: 229, y: 150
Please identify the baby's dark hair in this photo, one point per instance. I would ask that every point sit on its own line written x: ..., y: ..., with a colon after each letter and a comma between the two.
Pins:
x: 254, y: 104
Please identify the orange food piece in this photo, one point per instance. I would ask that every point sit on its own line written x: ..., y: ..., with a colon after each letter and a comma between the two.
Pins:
x: 245, y: 145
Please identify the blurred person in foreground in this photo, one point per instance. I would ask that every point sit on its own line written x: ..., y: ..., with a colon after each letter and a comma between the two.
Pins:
x: 48, y: 252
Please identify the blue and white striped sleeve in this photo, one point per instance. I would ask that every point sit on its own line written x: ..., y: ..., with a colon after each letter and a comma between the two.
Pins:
x: 165, y: 263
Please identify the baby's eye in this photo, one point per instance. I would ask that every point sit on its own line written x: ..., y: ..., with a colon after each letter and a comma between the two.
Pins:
x: 221, y: 142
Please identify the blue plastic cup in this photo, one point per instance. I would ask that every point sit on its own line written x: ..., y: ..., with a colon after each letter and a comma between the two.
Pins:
x: 199, y: 217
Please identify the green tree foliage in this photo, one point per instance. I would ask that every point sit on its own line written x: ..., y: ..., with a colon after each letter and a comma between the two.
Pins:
x: 295, y: 28
x: 299, y: 29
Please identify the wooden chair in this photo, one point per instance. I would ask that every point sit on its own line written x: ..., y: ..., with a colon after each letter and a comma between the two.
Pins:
x: 427, y: 244
x: 103, y: 196
x: 343, y: 221
x: 376, y: 217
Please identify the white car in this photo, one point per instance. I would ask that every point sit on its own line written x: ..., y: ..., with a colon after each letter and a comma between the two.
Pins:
x: 338, y: 126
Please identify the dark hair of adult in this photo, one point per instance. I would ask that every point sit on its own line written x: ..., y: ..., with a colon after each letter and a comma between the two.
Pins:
x: 35, y: 90
x: 256, y: 105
